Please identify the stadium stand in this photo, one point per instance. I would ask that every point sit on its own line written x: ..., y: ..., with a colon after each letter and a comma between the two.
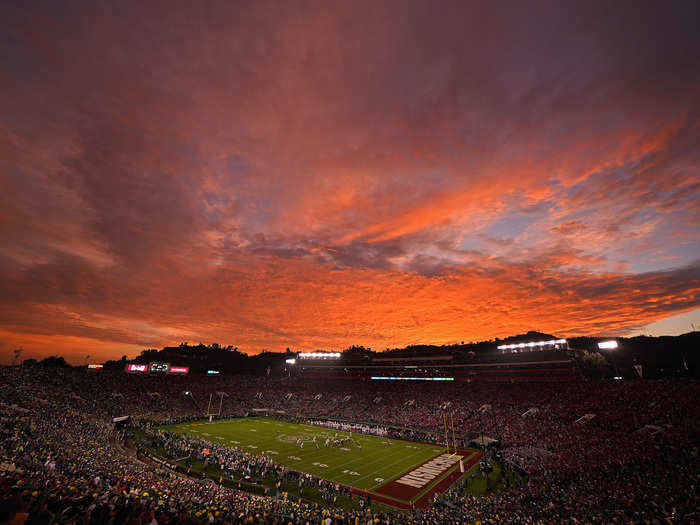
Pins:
x: 553, y: 365
x: 63, y: 460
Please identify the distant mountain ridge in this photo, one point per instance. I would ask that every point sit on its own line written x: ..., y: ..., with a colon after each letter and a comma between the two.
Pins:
x: 659, y: 356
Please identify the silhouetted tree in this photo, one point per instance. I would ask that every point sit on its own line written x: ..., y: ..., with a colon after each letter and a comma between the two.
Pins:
x: 592, y: 364
x: 54, y: 361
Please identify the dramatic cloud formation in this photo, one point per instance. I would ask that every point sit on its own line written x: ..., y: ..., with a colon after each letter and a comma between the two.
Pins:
x: 323, y: 174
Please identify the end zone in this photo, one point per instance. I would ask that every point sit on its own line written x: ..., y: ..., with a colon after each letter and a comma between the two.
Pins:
x: 417, y: 486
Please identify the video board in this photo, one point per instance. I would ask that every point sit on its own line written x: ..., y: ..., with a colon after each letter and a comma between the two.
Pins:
x: 159, y: 368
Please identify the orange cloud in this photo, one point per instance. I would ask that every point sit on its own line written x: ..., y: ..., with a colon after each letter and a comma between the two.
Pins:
x: 332, y: 174
x: 274, y: 303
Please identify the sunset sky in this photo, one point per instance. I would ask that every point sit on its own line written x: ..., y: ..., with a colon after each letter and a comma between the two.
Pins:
x: 322, y: 174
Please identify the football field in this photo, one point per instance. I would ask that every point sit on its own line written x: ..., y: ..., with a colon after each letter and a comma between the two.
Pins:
x: 392, y: 471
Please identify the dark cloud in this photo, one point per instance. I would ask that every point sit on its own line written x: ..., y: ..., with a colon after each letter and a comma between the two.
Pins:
x: 162, y: 164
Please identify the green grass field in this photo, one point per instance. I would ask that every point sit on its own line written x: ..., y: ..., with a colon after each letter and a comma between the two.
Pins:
x: 366, y: 468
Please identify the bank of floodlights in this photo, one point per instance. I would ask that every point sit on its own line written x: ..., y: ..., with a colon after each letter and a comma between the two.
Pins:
x: 290, y: 361
x: 553, y: 342
x: 607, y: 345
x: 319, y: 355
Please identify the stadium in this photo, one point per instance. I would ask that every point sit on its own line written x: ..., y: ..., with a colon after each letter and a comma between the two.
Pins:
x: 329, y: 262
x: 517, y: 432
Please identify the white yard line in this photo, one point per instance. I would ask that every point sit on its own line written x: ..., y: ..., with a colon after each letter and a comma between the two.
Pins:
x: 398, y: 453
x: 408, y: 469
x: 328, y: 454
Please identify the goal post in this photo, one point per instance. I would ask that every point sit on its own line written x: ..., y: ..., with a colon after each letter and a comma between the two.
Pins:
x: 447, y: 438
x: 209, y: 412
x: 454, y: 440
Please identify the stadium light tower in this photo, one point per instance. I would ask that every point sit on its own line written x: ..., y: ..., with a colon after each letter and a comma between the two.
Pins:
x: 611, y: 345
x: 289, y: 363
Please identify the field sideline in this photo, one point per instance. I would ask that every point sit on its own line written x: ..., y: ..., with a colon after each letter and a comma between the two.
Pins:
x: 366, y: 463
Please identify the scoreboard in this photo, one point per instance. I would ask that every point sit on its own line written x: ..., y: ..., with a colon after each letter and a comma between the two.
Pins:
x: 156, y: 368
x: 159, y: 368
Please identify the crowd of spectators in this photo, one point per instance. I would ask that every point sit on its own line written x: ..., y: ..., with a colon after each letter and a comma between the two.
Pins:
x: 62, y: 460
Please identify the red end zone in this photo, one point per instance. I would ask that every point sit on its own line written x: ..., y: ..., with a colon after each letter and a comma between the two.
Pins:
x: 407, y: 487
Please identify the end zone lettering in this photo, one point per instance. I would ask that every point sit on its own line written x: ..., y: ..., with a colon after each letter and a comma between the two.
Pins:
x: 429, y: 471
